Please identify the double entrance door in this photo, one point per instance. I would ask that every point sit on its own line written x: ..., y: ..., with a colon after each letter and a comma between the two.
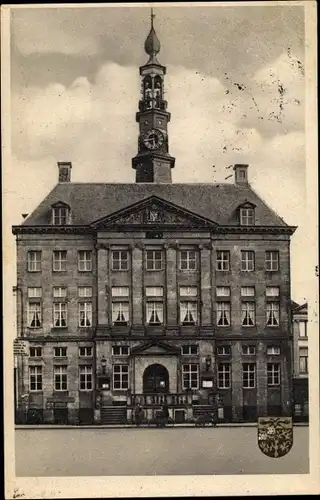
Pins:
x: 155, y: 379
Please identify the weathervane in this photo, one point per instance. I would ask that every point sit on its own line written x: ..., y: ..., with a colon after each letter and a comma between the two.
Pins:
x: 152, y: 17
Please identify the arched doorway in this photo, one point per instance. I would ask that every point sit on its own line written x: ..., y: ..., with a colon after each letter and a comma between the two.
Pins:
x: 155, y: 379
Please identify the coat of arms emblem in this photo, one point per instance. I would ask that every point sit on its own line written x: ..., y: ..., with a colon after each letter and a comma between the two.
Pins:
x: 275, y: 436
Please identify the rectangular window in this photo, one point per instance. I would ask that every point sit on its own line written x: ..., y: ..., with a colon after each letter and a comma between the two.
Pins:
x: 247, y: 291
x: 154, y: 260
x: 272, y: 291
x: 60, y: 216
x: 272, y: 261
x: 248, y: 314
x: 120, y: 377
x: 85, y: 260
x: 59, y: 314
x: 188, y: 313
x: 223, y: 291
x: 120, y: 350
x: 247, y: 216
x: 247, y: 260
x: 35, y: 352
x: 189, y: 350
x: 59, y: 260
x: 303, y: 360
x: 154, y: 291
x: 154, y: 313
x: 34, y: 261
x: 188, y: 260
x: 34, y: 315
x: 188, y: 291
x: 273, y: 374
x: 273, y: 350
x: 60, y: 378
x: 120, y: 291
x: 248, y: 350
x: 120, y: 313
x: 85, y: 352
x: 273, y: 309
x: 223, y: 313
x: 85, y: 291
x: 223, y: 260
x: 224, y: 375
x: 303, y: 329
x: 60, y: 352
x: 59, y: 292
x: 85, y: 378
x: 35, y: 378
x: 224, y: 350
x: 85, y: 314
x: 120, y: 260
x: 34, y: 293
x: 249, y: 375
x: 190, y: 376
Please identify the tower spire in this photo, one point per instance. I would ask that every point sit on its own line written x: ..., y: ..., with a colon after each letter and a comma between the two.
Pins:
x: 153, y: 163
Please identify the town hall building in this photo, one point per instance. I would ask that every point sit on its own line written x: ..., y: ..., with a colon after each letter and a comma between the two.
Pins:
x: 153, y: 291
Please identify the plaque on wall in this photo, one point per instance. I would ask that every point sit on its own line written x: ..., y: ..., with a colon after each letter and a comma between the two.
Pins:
x: 206, y: 384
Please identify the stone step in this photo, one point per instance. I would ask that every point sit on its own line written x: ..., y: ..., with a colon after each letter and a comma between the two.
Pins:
x: 112, y: 415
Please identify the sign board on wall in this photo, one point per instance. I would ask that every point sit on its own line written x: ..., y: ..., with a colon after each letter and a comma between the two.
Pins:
x: 20, y: 347
x: 206, y: 384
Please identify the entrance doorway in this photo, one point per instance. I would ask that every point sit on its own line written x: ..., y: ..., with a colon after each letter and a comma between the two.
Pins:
x: 156, y: 379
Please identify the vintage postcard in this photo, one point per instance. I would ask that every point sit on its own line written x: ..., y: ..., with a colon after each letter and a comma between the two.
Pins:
x: 160, y: 249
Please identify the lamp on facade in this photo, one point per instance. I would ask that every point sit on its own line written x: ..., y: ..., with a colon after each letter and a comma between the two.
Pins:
x: 208, y: 363
x: 103, y: 364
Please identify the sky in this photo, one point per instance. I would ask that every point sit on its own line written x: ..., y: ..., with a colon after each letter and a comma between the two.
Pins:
x: 235, y: 87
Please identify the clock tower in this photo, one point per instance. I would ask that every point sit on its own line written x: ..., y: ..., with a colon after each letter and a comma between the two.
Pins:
x: 153, y: 162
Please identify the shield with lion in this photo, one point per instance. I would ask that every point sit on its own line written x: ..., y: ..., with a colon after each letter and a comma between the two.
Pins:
x: 275, y: 436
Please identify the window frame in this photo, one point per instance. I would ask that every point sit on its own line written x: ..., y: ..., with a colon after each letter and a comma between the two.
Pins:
x: 225, y: 375
x: 191, y: 309
x: 86, y: 348
x: 36, y: 349
x: 62, y: 261
x: 120, y: 260
x: 304, y: 357
x: 269, y: 261
x: 274, y: 312
x: 123, y: 386
x: 249, y: 308
x: 247, y: 348
x: 85, y: 378
x: 85, y: 263
x: 226, y: 311
x: 153, y: 260
x: 124, y: 309
x: 37, y: 313
x: 190, y: 371
x: 247, y: 261
x: 37, y: 263
x: 223, y: 350
x: 121, y: 349
x: 273, y: 350
x: 55, y: 350
x: 249, y: 372
x: 60, y: 377
x: 222, y: 258
x: 247, y: 214
x: 85, y: 308
x: 272, y: 375
x: 60, y: 307
x: 190, y: 347
x: 188, y: 261
x: 58, y: 219
x: 157, y: 307
x: 35, y: 378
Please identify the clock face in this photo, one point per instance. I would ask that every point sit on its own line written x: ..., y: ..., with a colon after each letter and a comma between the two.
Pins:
x: 153, y: 139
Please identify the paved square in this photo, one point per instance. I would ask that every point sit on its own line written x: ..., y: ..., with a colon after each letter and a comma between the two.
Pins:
x: 178, y: 451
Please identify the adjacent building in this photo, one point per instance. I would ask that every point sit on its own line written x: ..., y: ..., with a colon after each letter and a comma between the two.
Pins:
x: 300, y: 356
x: 153, y: 291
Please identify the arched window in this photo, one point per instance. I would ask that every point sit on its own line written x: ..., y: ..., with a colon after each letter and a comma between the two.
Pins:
x: 147, y: 91
x: 158, y: 91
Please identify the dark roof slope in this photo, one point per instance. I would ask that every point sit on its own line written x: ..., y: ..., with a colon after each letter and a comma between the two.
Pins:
x: 217, y: 202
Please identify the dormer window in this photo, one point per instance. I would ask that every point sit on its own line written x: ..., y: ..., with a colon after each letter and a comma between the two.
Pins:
x: 60, y: 214
x: 247, y: 215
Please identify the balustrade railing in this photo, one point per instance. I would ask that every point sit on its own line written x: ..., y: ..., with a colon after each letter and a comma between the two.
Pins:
x: 159, y: 399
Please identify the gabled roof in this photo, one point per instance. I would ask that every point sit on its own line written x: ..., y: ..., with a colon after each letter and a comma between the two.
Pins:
x: 155, y: 347
x: 90, y: 202
x: 302, y: 308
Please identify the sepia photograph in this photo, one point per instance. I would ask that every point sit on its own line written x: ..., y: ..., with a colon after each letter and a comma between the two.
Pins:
x: 160, y: 248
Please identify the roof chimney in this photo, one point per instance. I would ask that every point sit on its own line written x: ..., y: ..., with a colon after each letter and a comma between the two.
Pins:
x: 241, y: 174
x: 64, y: 171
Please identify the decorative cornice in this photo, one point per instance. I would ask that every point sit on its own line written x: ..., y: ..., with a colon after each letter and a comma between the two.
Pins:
x: 52, y: 230
x: 102, y: 246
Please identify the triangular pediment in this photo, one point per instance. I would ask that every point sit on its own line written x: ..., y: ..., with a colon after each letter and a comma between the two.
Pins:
x: 153, y: 212
x: 158, y: 348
